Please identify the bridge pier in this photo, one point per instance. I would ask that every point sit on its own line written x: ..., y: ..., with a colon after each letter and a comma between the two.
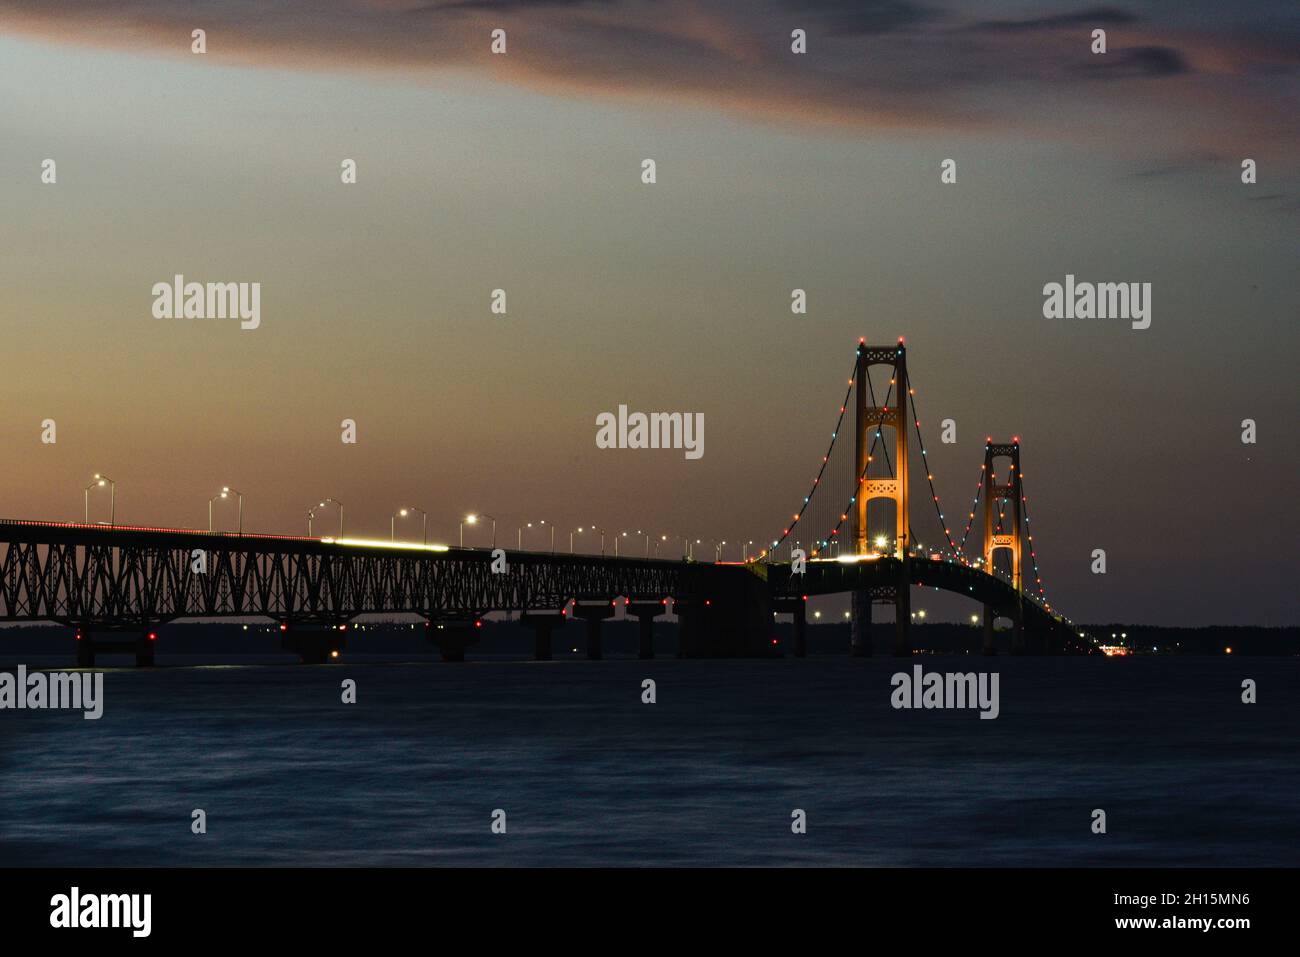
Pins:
x: 644, y: 612
x: 989, y: 616
x: 453, y: 636
x: 142, y: 646
x: 542, y: 623
x: 798, y: 608
x: 860, y: 628
x: 800, y: 623
x: 1018, y: 646
x: 903, y: 620
x: 593, y: 615
x: 690, y: 627
x: 85, y: 650
x: 314, y: 643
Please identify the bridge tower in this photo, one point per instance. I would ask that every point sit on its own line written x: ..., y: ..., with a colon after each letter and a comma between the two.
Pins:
x: 870, y: 419
x: 1006, y: 539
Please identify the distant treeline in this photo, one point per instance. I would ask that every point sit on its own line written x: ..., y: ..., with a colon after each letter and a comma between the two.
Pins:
x: 620, y: 639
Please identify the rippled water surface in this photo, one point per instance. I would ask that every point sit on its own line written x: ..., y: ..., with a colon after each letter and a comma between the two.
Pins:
x: 589, y: 775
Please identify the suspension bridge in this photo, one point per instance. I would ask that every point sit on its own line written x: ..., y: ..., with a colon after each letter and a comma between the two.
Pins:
x: 115, y: 585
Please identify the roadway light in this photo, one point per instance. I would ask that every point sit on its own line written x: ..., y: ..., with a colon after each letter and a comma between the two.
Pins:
x: 974, y: 619
x: 311, y: 514
x: 881, y: 542
x: 101, y: 481
x: 519, y: 543
x: 473, y: 519
x: 226, y: 492
x: 622, y: 535
x: 402, y: 513
x: 589, y: 528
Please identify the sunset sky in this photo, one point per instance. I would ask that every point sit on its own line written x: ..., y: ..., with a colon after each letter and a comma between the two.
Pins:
x: 775, y: 171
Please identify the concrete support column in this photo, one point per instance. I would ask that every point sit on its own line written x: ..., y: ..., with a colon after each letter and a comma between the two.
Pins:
x: 85, y: 646
x: 644, y: 612
x: 861, y: 624
x: 593, y: 615
x: 989, y: 615
x: 144, y: 646
x: 690, y: 627
x: 543, y: 624
x: 1018, y: 646
x: 115, y: 640
x: 314, y: 643
x: 800, y: 613
x: 903, y: 620
x: 453, y: 636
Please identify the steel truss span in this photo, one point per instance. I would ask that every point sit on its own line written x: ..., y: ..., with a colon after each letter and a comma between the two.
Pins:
x: 112, y: 577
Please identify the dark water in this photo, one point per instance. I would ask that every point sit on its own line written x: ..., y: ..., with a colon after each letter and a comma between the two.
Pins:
x: 709, y: 775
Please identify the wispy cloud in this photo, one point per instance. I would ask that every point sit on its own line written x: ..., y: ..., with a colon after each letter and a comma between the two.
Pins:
x: 893, y: 64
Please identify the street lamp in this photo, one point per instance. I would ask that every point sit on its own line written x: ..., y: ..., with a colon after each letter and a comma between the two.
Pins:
x: 588, y: 528
x: 311, y: 514
x: 226, y: 492
x: 402, y: 513
x: 472, y: 519
x: 101, y: 481
x: 519, y: 543
x: 708, y: 541
x: 625, y: 535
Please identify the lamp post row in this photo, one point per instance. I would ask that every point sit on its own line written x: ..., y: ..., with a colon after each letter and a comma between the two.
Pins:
x: 100, y: 480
